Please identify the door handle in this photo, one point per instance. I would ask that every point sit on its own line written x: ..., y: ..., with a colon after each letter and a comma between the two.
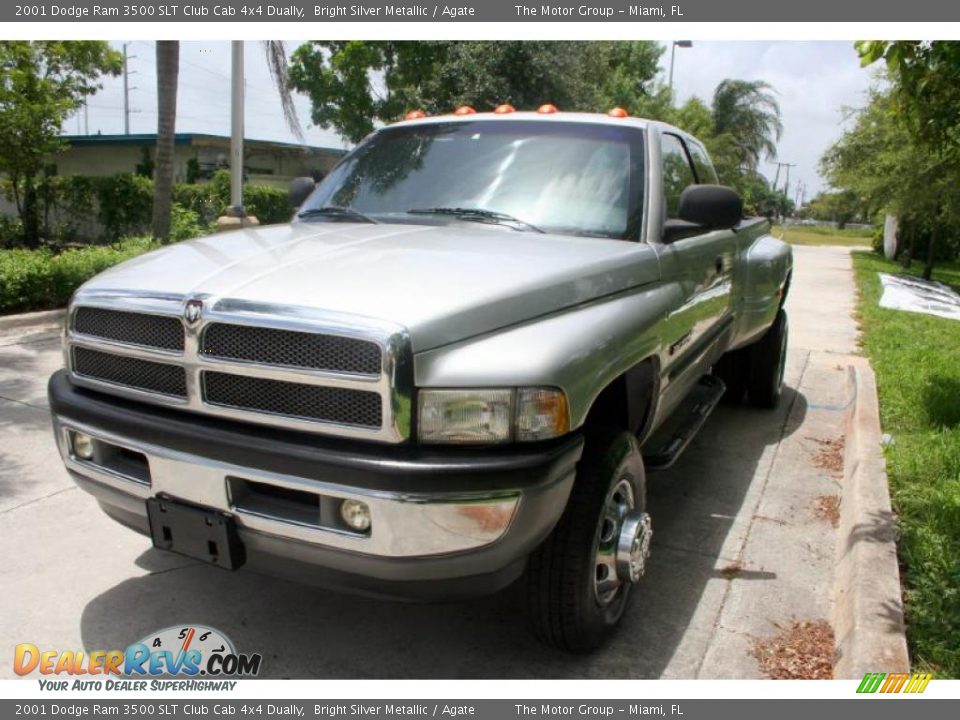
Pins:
x: 718, y: 264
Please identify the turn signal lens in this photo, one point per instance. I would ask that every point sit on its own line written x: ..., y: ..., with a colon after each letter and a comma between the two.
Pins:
x: 464, y: 110
x: 541, y: 414
x: 415, y: 115
x: 547, y: 109
x: 356, y: 514
x: 503, y: 109
x: 618, y: 112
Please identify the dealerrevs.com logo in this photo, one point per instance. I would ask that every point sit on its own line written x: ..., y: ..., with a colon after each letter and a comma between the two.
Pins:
x: 183, y: 651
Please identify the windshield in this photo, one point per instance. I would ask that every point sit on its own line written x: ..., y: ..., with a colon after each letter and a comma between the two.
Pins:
x: 566, y: 178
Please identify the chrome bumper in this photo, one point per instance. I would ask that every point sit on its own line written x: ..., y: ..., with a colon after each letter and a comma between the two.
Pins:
x: 404, y: 525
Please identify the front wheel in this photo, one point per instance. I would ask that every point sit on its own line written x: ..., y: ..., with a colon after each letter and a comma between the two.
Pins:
x: 578, y: 581
x: 768, y: 358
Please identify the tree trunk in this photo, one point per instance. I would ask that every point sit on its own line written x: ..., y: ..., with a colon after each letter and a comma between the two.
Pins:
x: 30, y: 214
x: 931, y: 249
x: 168, y: 65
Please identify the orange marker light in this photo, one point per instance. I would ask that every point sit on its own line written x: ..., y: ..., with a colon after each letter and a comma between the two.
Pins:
x: 416, y: 115
x: 618, y: 112
x: 504, y: 109
x: 464, y: 110
x: 547, y: 109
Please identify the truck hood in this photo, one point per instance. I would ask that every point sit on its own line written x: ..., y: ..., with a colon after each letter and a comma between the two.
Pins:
x: 443, y: 283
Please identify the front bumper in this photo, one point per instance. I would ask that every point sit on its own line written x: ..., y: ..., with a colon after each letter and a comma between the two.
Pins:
x: 447, y: 522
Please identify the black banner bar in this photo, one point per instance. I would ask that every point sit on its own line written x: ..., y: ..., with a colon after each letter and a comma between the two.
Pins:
x: 737, y: 11
x: 329, y: 709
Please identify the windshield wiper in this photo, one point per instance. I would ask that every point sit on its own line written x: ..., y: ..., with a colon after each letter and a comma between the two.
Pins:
x: 335, y: 211
x: 476, y: 215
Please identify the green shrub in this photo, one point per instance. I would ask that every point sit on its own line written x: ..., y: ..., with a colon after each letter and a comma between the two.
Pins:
x: 270, y: 205
x: 124, y: 204
x: 40, y: 279
x: 11, y: 230
x: 185, y: 224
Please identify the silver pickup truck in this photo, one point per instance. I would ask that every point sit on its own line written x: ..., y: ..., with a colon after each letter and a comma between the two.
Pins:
x: 450, y: 370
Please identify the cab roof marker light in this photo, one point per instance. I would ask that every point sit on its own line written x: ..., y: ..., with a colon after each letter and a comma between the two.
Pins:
x: 415, y: 115
x: 464, y: 110
x: 504, y: 109
x: 618, y: 112
x: 547, y: 109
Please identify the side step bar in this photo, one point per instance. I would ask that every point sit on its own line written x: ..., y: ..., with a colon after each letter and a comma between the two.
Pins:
x: 672, y: 437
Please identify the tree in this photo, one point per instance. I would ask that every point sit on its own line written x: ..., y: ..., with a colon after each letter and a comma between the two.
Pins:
x: 353, y: 85
x: 926, y: 94
x: 747, y: 112
x: 168, y: 69
x: 839, y: 206
x: 168, y: 66
x: 41, y: 84
x: 882, y: 161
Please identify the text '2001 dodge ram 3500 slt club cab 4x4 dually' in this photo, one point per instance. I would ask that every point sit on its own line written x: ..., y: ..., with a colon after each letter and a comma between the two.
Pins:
x: 448, y: 371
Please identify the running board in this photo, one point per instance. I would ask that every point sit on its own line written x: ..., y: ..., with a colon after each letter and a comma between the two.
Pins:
x: 672, y: 437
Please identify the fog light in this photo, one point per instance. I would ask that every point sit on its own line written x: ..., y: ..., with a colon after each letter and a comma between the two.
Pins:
x: 82, y: 446
x: 356, y: 514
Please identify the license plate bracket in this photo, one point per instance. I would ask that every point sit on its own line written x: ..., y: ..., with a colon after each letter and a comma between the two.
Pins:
x: 197, y: 532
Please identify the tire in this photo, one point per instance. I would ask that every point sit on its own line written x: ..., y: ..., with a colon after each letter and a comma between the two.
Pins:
x: 734, y: 369
x: 768, y: 358
x: 569, y: 606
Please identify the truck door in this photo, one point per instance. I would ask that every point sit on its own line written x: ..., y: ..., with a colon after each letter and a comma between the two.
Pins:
x: 701, y: 266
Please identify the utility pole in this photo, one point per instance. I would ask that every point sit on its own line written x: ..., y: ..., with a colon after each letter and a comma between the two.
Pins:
x: 786, y: 184
x: 673, y: 54
x: 86, y: 118
x: 776, y: 179
x: 126, y: 90
x: 236, y: 129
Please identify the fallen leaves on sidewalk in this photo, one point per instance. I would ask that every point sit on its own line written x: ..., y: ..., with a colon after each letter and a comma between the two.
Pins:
x: 802, y: 651
x: 830, y: 455
x: 828, y: 508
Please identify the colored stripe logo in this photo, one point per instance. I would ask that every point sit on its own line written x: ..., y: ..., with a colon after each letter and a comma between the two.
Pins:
x: 894, y: 683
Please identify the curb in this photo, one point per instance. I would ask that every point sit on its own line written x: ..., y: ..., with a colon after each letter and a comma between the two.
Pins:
x: 868, y: 608
x: 44, y: 317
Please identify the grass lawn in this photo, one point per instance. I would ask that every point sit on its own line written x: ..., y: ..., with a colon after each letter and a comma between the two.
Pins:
x: 822, y: 235
x: 917, y: 362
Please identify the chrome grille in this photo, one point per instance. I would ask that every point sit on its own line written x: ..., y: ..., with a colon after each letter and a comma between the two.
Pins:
x: 311, y: 402
x: 293, y: 367
x: 132, y: 372
x: 291, y: 348
x: 156, y: 331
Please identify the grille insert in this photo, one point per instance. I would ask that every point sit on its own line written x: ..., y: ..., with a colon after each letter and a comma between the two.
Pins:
x: 309, y: 402
x: 130, y: 372
x: 291, y: 348
x: 156, y: 331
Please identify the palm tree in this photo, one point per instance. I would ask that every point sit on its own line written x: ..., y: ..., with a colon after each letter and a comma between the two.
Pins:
x: 168, y: 65
x: 168, y: 69
x: 748, y: 113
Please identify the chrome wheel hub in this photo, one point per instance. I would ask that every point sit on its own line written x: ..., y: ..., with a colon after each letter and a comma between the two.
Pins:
x: 633, y: 547
x: 623, y: 543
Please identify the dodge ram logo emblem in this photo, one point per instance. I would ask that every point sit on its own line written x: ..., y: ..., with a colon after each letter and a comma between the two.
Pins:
x: 193, y: 311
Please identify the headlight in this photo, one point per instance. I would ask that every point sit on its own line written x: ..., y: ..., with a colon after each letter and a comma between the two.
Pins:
x: 492, y: 416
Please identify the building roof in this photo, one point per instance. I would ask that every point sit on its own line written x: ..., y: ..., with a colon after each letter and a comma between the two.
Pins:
x: 198, y: 139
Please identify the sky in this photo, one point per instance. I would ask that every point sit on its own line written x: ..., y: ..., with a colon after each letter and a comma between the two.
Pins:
x: 813, y: 82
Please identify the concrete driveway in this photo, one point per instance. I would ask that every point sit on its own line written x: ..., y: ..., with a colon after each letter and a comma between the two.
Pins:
x: 740, y: 545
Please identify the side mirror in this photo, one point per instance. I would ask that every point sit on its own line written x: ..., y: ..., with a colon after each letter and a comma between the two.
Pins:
x: 300, y: 189
x: 704, y: 208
